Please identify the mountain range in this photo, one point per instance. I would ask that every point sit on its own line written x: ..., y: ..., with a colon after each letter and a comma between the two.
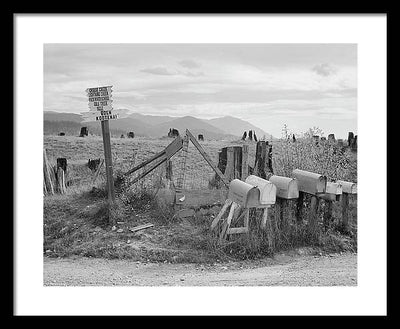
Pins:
x: 226, y: 127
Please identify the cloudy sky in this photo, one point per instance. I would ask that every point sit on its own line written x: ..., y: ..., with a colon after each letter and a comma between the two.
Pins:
x: 269, y: 85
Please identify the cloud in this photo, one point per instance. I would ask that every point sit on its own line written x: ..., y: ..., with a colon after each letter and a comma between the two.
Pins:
x: 159, y: 70
x: 193, y: 74
x: 324, y: 69
x: 189, y: 64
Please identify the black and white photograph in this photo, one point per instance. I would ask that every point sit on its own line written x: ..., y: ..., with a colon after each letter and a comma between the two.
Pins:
x: 200, y: 165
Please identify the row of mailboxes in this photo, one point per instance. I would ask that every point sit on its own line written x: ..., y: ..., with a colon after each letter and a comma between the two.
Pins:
x: 255, y: 192
x: 258, y: 192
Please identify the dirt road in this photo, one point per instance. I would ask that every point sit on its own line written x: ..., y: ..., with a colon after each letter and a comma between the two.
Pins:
x: 282, y: 270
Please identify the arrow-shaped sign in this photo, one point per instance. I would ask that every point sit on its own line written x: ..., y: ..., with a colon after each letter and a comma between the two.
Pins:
x: 100, y: 99
x: 100, y: 108
x: 98, y: 89
x: 101, y: 103
x: 92, y: 115
x: 99, y: 94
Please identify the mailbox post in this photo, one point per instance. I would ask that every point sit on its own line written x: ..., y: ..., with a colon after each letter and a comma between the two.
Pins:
x: 313, y: 184
x: 287, y: 189
x: 348, y: 188
x: 255, y: 192
x: 333, y: 193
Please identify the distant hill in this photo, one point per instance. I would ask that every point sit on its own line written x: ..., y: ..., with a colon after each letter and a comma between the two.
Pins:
x: 196, y: 126
x: 229, y: 128
x: 59, y: 116
x: 55, y: 127
x: 237, y: 127
x: 151, y: 119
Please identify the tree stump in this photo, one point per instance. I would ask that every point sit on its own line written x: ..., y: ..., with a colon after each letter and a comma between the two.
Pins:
x: 230, y: 162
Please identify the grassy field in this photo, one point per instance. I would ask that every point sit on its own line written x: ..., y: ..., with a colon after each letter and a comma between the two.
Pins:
x: 80, y: 222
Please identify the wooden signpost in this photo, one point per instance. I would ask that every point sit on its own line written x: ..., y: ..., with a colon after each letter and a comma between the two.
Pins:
x: 100, y: 99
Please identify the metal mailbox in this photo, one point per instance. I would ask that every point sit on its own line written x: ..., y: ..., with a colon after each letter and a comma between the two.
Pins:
x: 348, y: 187
x: 244, y: 194
x: 332, y: 193
x: 310, y: 182
x: 286, y: 187
x: 267, y: 189
x: 334, y: 188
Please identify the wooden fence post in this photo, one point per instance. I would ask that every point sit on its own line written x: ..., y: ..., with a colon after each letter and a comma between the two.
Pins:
x: 61, y: 180
x: 245, y: 158
x: 269, y: 159
x: 345, y: 211
x: 229, y: 170
x: 259, y: 164
x: 168, y: 170
x: 105, y: 128
x: 313, y: 216
x: 266, y: 224
x: 280, y: 219
x: 327, y: 214
x: 300, y: 207
x: 62, y: 163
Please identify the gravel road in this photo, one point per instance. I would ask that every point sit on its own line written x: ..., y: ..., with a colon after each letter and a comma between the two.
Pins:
x: 282, y: 270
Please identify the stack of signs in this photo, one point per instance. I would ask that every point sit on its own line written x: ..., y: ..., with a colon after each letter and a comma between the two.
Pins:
x: 100, y: 100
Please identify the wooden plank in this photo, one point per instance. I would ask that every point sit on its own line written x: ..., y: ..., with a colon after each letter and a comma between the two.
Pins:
x: 149, y: 170
x: 246, y: 217
x: 265, y: 218
x: 238, y: 218
x: 97, y: 171
x: 237, y: 230
x: 221, y: 213
x: 266, y: 224
x: 141, y: 227
x: 206, y: 157
x: 47, y: 173
x: 169, y: 151
x: 144, y: 163
x: 182, y: 169
x: 227, y: 223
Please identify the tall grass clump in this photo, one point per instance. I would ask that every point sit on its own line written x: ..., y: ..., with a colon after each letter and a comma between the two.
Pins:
x: 323, y: 157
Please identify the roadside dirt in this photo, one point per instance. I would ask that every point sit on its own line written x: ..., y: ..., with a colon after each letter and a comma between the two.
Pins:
x: 282, y: 270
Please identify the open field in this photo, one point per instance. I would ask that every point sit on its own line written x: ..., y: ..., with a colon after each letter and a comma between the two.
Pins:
x: 80, y: 223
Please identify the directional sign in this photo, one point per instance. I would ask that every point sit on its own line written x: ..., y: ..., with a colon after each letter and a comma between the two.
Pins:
x: 99, y: 89
x: 99, y: 94
x: 100, y: 108
x: 92, y: 115
x: 100, y: 98
x: 99, y: 117
x: 101, y: 103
